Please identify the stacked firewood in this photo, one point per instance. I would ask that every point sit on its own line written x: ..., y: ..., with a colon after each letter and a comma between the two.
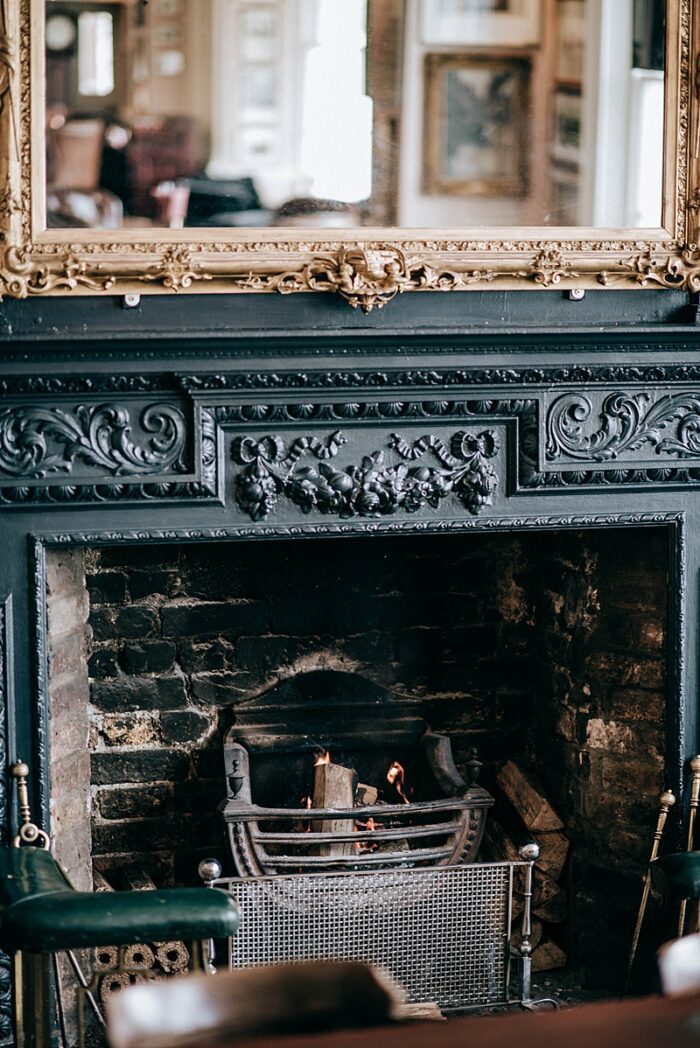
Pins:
x: 146, y: 961
x: 523, y: 813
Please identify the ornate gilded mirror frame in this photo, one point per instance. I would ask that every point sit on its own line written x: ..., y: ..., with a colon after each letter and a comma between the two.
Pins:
x: 368, y: 266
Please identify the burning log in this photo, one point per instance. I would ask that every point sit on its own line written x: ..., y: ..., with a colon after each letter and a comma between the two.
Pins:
x: 334, y: 787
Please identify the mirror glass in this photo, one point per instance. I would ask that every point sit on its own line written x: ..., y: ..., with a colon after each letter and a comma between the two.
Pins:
x: 425, y: 114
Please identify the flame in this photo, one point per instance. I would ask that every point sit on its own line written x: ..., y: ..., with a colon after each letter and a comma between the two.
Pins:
x: 369, y: 825
x: 323, y: 758
x: 365, y: 846
x: 395, y: 777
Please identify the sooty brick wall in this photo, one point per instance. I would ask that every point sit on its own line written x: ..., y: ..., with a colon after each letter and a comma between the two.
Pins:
x: 183, y: 634
x: 546, y: 648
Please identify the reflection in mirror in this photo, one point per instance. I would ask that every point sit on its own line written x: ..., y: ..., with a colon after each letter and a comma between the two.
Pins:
x: 438, y: 114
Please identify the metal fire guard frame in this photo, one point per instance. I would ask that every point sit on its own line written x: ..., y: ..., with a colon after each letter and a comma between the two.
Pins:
x: 444, y: 933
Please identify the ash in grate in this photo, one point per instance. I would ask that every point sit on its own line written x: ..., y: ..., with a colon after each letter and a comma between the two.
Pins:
x: 443, y: 932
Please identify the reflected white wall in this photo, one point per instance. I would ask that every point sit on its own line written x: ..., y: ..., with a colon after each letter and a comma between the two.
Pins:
x: 313, y: 135
x: 336, y: 145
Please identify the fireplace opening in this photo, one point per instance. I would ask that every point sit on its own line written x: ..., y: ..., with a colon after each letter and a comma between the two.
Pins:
x: 547, y: 650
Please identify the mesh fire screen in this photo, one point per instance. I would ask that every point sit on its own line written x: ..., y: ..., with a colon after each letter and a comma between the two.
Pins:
x: 443, y: 933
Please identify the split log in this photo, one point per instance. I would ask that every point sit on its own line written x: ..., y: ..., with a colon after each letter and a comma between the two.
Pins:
x: 137, y: 879
x: 554, y: 849
x: 100, y: 883
x: 366, y: 796
x: 548, y: 897
x: 549, y: 901
x: 548, y: 956
x: 527, y: 796
x: 554, y: 845
x: 334, y: 787
x: 497, y: 845
x: 428, y: 1010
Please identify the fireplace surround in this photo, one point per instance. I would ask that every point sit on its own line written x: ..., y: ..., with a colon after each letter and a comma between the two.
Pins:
x: 421, y: 427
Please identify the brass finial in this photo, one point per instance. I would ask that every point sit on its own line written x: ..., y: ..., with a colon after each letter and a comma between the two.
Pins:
x: 690, y: 839
x: 29, y: 832
x: 666, y: 801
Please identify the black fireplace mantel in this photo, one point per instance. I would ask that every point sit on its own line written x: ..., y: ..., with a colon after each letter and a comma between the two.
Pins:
x: 220, y: 418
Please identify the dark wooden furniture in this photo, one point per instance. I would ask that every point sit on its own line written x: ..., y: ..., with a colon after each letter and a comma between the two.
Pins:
x: 41, y: 914
x: 651, y: 1022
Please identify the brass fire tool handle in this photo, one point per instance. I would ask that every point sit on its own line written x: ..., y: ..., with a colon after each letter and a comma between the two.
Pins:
x: 694, y: 804
x: 666, y: 802
x: 29, y: 832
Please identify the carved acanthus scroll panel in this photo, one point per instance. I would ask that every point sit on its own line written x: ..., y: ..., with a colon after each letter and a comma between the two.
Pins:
x: 625, y: 427
x: 116, y: 450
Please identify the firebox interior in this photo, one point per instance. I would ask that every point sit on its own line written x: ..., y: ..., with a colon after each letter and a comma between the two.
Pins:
x: 547, y: 648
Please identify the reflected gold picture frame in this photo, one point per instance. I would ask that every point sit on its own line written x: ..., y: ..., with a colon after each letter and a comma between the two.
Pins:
x: 509, y: 177
x: 367, y: 267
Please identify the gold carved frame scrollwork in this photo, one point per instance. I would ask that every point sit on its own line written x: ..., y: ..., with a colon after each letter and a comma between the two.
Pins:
x: 367, y: 267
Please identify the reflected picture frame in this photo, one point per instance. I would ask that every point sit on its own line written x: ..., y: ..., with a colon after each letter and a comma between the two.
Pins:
x: 475, y: 124
x: 487, y: 23
x: 567, y: 120
x: 366, y: 266
x: 570, y: 41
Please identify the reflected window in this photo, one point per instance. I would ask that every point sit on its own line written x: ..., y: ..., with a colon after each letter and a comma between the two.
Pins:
x: 95, y: 54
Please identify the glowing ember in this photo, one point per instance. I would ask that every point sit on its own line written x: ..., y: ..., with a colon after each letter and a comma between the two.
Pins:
x: 395, y: 777
x: 323, y: 758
